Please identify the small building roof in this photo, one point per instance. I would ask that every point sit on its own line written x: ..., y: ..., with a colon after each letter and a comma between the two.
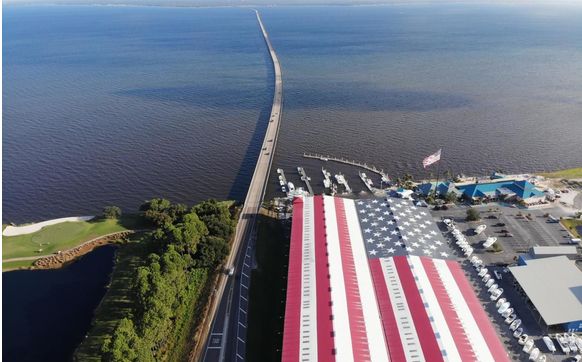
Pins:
x: 537, y: 251
x: 443, y: 188
x: 554, y: 286
x: 523, y: 189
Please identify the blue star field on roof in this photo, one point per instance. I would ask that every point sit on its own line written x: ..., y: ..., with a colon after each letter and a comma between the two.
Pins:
x: 392, y: 227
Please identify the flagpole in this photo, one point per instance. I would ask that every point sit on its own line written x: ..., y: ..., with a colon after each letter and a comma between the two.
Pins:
x: 437, y: 178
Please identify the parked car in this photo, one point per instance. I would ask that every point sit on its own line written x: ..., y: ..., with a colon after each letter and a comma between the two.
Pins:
x: 508, y: 235
x: 499, y: 224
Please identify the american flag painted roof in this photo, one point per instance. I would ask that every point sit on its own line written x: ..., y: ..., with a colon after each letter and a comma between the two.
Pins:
x: 374, y: 280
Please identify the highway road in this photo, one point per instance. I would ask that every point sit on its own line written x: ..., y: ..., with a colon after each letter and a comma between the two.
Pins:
x: 229, y: 305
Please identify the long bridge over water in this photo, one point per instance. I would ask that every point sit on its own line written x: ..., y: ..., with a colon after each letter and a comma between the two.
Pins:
x: 226, y: 325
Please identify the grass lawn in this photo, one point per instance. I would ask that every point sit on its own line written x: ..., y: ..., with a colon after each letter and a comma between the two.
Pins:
x: 571, y: 225
x: 63, y: 236
x: 268, y: 292
x: 13, y: 265
x: 568, y: 174
x: 116, y: 304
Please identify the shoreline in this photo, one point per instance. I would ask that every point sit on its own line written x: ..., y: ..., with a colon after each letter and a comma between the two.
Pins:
x: 56, y: 261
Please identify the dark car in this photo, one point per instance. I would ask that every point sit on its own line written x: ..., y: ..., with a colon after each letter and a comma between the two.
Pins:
x: 504, y: 231
x: 500, y: 224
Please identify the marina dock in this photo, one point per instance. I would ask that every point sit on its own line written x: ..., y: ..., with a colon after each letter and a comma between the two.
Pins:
x: 305, y: 179
x: 365, y: 166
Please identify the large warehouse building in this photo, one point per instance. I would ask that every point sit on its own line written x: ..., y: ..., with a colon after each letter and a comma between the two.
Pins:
x: 554, y: 286
x: 374, y: 280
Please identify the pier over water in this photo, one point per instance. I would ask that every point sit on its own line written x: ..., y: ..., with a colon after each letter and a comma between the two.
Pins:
x: 225, y: 327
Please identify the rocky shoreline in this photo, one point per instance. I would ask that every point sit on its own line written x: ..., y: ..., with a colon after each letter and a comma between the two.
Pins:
x: 62, y: 258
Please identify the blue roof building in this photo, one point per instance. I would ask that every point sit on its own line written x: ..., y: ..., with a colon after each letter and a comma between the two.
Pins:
x: 443, y: 188
x: 521, y: 190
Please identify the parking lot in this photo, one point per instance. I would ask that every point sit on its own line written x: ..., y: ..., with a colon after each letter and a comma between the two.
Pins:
x: 527, y: 231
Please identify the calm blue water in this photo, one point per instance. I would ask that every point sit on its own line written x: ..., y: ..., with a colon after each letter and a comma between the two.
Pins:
x: 115, y: 105
x: 46, y: 313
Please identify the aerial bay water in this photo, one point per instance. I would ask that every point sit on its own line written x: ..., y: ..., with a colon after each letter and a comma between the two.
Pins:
x: 115, y: 105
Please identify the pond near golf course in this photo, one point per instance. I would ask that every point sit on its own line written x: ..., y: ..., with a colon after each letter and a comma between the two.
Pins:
x: 46, y: 313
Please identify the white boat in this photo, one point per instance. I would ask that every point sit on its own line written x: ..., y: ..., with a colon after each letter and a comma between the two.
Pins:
x: 500, y: 302
x: 291, y: 186
x: 563, y: 343
x: 528, y: 346
x: 281, y: 183
x: 518, y: 332
x: 299, y: 169
x: 489, y: 242
x: 479, y: 229
x: 534, y: 354
x: 504, y: 307
x: 549, y: 344
x: 284, y: 189
x: 279, y: 170
x: 496, y: 294
x: 579, y: 343
x: 541, y: 358
x: 482, y: 272
x: 515, y: 325
x: 510, y: 319
x: 522, y: 339
x: 507, y: 312
x: 281, y: 177
x: 486, y: 278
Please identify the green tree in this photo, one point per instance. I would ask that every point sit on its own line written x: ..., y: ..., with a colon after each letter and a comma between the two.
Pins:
x: 211, y: 252
x: 188, y: 234
x: 472, y: 215
x: 124, y: 345
x: 451, y: 197
x: 111, y: 212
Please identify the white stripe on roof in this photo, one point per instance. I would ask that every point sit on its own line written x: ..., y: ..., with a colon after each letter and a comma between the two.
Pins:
x: 308, y: 326
x: 408, y: 333
x: 339, y: 308
x: 439, y: 324
x: 474, y: 336
x: 374, y: 331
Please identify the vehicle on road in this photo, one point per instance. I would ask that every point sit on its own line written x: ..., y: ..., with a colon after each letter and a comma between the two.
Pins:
x: 229, y: 271
x: 500, y: 224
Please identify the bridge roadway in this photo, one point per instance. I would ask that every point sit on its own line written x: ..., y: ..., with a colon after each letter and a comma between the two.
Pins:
x: 226, y: 335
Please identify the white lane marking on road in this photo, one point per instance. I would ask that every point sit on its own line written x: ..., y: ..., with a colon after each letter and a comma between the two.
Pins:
x: 242, y: 325
x: 242, y: 310
x: 243, y: 298
x: 214, y: 347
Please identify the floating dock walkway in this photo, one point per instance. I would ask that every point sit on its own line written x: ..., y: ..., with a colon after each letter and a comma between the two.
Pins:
x: 365, y: 166
x: 305, y: 179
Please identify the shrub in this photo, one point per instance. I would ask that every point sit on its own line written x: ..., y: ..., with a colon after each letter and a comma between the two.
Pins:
x: 472, y: 215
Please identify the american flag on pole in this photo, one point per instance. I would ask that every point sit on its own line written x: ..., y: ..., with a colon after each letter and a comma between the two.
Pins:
x: 375, y: 280
x: 435, y: 157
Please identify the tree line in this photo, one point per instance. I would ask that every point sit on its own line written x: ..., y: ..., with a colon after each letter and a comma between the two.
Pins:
x: 193, y: 243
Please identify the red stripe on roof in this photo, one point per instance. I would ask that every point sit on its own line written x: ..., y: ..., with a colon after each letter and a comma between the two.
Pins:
x: 359, y: 336
x: 426, y: 335
x: 291, y: 338
x: 495, y: 347
x: 325, y: 342
x: 391, y: 333
x: 451, y: 317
